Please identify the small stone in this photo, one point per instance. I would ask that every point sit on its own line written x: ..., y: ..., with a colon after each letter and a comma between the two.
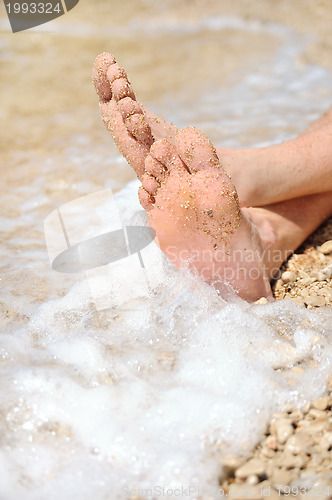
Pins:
x: 297, y: 443
x: 252, y: 479
x: 298, y: 301
x: 303, y: 424
x: 278, y: 415
x: 231, y: 461
x: 307, y: 281
x: 315, y: 301
x: 254, y: 466
x: 306, y: 407
x: 321, y: 403
x: 326, y: 441
x: 292, y: 461
x: 314, y: 413
x: 281, y: 478
x: 318, y: 275
x: 284, y: 429
x: 267, y: 452
x: 229, y: 464
x: 271, y: 442
x: 262, y: 300
x: 326, y: 247
x: 288, y: 277
x: 327, y: 271
x: 329, y: 385
x: 296, y: 415
x: 325, y: 292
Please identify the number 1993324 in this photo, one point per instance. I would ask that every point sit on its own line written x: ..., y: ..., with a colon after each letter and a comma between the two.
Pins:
x: 33, y: 8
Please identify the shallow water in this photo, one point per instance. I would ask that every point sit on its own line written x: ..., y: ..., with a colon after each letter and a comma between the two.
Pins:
x: 128, y: 378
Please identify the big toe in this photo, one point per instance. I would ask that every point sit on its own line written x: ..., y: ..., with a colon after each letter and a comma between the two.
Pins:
x: 196, y: 150
x: 99, y: 75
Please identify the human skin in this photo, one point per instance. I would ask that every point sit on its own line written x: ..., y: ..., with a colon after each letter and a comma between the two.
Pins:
x: 231, y: 215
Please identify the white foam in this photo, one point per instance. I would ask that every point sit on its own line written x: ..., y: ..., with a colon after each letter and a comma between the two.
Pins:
x: 152, y: 391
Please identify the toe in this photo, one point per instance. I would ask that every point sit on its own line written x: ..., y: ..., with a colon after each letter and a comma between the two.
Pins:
x: 99, y: 75
x: 150, y: 184
x: 145, y: 199
x: 139, y: 128
x: 135, y: 121
x: 121, y: 88
x: 165, y: 153
x: 156, y: 169
x: 129, y: 107
x: 114, y: 72
x: 196, y: 150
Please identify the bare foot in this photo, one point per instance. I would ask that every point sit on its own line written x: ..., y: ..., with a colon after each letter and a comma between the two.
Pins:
x: 261, y: 175
x: 193, y: 206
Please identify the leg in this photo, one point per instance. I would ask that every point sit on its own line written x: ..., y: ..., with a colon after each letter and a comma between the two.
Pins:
x: 299, y: 167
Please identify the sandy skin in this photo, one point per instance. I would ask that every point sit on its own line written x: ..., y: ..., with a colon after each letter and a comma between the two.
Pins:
x: 191, y: 201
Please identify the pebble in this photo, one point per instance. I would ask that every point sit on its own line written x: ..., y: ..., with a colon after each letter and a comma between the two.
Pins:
x: 271, y: 442
x: 262, y: 300
x: 281, y: 478
x: 292, y: 461
x: 306, y: 407
x: 267, y: 452
x: 326, y: 441
x: 318, y: 275
x: 252, y: 479
x: 229, y: 464
x: 315, y: 300
x: 326, y: 247
x: 298, y: 301
x: 254, y: 466
x: 298, y: 443
x: 296, y: 415
x: 315, y: 413
x: 327, y: 271
x: 295, y: 451
x: 307, y: 281
x: 288, y: 277
x: 321, y: 403
x: 325, y: 292
x: 284, y: 429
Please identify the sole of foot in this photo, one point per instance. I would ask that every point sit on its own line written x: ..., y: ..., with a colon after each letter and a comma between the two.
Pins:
x: 193, y: 206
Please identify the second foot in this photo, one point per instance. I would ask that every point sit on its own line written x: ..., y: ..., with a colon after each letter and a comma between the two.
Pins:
x: 193, y: 206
